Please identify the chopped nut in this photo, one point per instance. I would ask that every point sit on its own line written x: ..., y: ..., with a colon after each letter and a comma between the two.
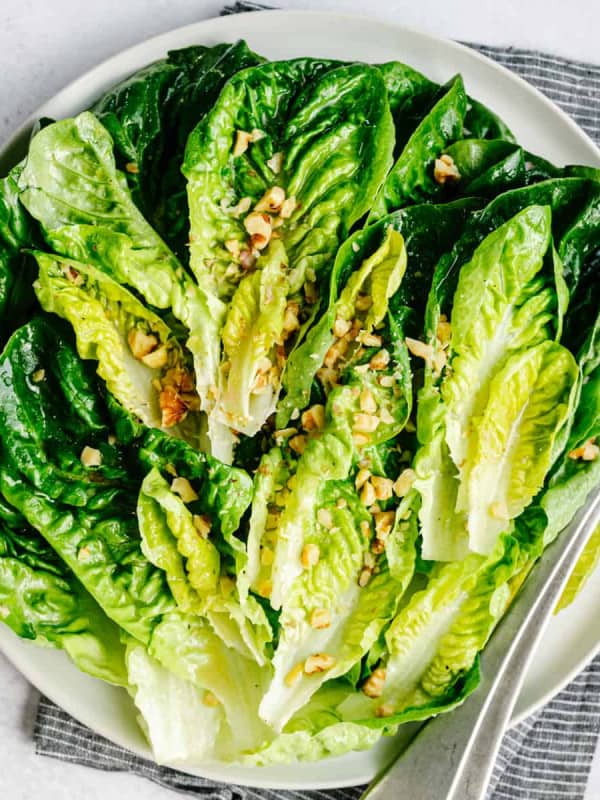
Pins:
x: 311, y: 293
x: 325, y: 518
x: 360, y: 439
x: 384, y: 522
x: 335, y: 352
x: 294, y: 675
x: 240, y: 208
x: 386, y: 416
x: 184, y: 489
x: 172, y: 406
x: 355, y: 247
x: 233, y: 246
x: 328, y: 377
x: 364, y: 577
x: 209, y: 699
x: 288, y: 207
x: 90, y: 457
x: 588, y: 451
x: 439, y: 361
x: 242, y: 141
x: 444, y: 330
x: 290, y: 320
x: 272, y: 200
x: 373, y: 686
x: 384, y: 487
x: 341, y: 327
x: 404, y: 482
x: 38, y: 375
x: 365, y: 528
x: 247, y: 259
x: 362, y: 476
x: 445, y: 170
x: 267, y: 557
x: 265, y: 588
x: 283, y: 435
x: 365, y: 423
x: 320, y: 618
x: 419, y: 349
x: 369, y: 339
x: 363, y: 302
x: 275, y: 162
x: 380, y: 360
x: 258, y: 226
x: 367, y: 494
x: 499, y: 510
x: 320, y: 662
x: 140, y: 343
x: 386, y: 381
x: 202, y: 524
x: 310, y: 555
x: 369, y: 560
x: 298, y: 444
x: 132, y: 168
x: 341, y: 502
x: 157, y: 359
x: 368, y: 404
x: 385, y: 710
x: 257, y: 134
x: 111, y: 439
x: 313, y: 419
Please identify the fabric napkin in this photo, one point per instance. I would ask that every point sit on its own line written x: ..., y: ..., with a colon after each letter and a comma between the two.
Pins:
x: 546, y: 757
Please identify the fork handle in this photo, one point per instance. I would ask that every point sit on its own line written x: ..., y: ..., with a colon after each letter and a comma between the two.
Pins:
x: 452, y: 757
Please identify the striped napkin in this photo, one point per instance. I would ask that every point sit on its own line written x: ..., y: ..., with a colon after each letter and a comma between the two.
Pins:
x: 546, y: 757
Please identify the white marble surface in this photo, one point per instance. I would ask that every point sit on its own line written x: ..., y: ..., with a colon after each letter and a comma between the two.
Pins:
x: 44, y: 44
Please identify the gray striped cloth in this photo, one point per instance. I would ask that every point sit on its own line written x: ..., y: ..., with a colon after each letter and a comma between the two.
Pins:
x: 547, y: 757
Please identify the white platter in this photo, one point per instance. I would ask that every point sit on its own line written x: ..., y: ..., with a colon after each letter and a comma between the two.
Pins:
x: 573, y: 637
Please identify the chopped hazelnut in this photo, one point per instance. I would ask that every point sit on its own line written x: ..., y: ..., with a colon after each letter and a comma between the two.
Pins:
x: 298, y: 444
x: 132, y: 168
x: 385, y: 710
x: 365, y: 423
x: 91, y: 457
x: 445, y: 170
x: 38, y: 375
x: 370, y: 339
x: 140, y: 343
x: 275, y: 162
x: 242, y: 141
x: 384, y: 487
x: 233, y: 246
x: 202, y: 524
x: 184, y: 489
x: 365, y: 529
x: 157, y: 359
x: 258, y: 226
x: 283, y: 435
x: 341, y: 327
x: 373, y: 686
x: 313, y: 419
x: 367, y: 494
x: 420, y: 349
x: 363, y: 302
x: 320, y: 662
x: 384, y: 522
x: 325, y: 518
x: 444, y: 330
x: 272, y: 200
x: 368, y: 403
x: 291, y: 321
x: 404, y: 482
x: 362, y: 476
x: 588, y: 451
x: 380, y: 360
x: 288, y: 207
x: 364, y: 577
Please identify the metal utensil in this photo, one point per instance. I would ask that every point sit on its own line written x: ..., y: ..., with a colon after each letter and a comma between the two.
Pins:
x: 452, y: 756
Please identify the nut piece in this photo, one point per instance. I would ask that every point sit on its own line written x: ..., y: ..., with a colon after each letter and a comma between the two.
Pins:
x: 365, y: 576
x: 184, y: 489
x: 367, y: 494
x: 373, y: 686
x: 298, y: 444
x: 362, y: 476
x: 363, y: 302
x: 272, y: 200
x: 384, y: 487
x: 341, y: 327
x: 258, y: 226
x: 310, y: 555
x: 289, y: 205
x: 365, y: 529
x: 320, y: 618
x: 444, y: 330
x: 589, y: 451
x: 90, y: 457
x: 380, y: 360
x: 313, y: 419
x: 420, y: 349
x: 365, y: 423
x: 157, y: 359
x: 385, y: 710
x: 445, y: 170
x: 384, y: 522
x: 368, y: 404
x: 275, y: 162
x: 140, y: 343
x: 202, y: 524
x: 325, y: 518
x: 369, y: 339
x: 38, y: 375
x: 294, y: 675
x: 404, y: 482
x: 131, y: 168
x: 233, y: 246
x: 291, y: 322
x: 242, y: 140
x: 320, y: 662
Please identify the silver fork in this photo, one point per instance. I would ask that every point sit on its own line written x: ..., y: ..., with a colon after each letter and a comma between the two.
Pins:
x: 452, y: 756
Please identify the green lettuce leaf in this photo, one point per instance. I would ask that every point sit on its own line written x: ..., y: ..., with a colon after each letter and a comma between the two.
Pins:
x: 588, y: 561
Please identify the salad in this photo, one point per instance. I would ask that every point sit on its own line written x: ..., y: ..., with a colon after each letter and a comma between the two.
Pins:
x: 300, y: 374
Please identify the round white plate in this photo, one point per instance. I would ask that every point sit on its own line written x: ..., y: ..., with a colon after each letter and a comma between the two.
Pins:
x: 573, y: 637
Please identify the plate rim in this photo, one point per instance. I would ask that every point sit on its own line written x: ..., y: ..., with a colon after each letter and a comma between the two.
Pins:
x: 11, y: 146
